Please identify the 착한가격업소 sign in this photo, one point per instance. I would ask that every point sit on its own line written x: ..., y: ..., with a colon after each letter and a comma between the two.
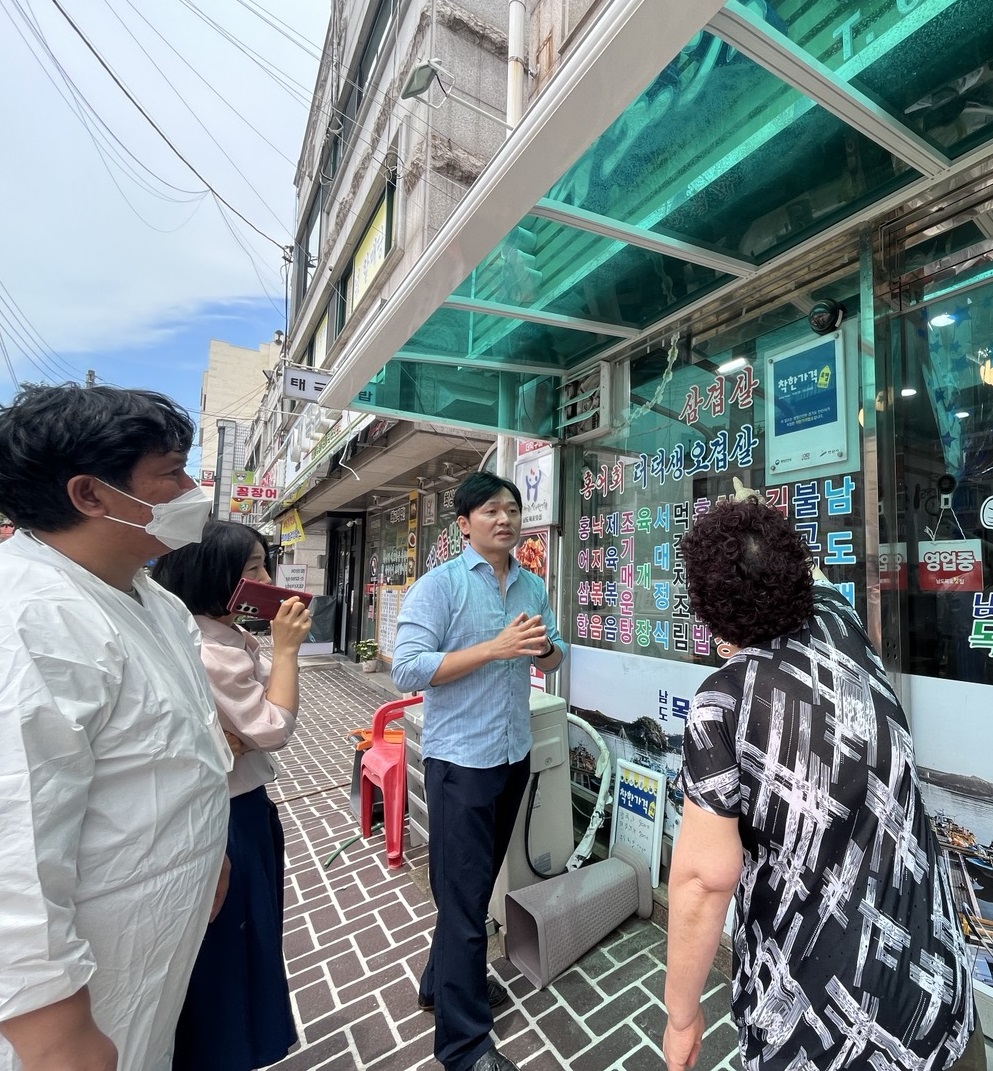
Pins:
x: 639, y: 809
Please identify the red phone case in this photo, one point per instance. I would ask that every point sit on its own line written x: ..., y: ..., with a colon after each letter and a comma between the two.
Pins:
x: 254, y: 599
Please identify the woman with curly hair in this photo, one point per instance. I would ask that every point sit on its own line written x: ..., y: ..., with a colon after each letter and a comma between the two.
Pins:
x: 748, y: 573
x: 803, y: 802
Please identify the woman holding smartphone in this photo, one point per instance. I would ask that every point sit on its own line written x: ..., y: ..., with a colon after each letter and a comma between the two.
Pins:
x: 237, y: 1014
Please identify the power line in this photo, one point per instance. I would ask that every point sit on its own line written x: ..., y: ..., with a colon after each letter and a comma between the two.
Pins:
x: 158, y: 130
x: 16, y: 322
x: 271, y: 20
x: 271, y: 70
x: 196, y: 117
x: 80, y: 107
x: 251, y: 257
x: 9, y: 364
x: 219, y: 96
x: 305, y: 97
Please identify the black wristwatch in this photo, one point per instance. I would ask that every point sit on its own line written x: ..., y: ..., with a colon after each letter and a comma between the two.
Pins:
x: 550, y: 651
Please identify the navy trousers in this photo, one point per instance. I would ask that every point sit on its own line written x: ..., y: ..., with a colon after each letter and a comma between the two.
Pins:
x: 471, y: 815
x: 237, y: 1013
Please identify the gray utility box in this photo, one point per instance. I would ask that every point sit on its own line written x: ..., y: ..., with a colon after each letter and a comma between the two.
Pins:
x: 417, y: 807
x: 551, y: 833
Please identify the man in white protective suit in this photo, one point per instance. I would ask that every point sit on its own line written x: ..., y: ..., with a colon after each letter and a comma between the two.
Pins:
x: 113, y: 787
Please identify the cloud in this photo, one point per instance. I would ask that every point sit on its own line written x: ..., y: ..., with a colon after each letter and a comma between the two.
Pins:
x: 88, y: 273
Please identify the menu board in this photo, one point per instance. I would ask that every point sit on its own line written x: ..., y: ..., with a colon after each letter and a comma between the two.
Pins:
x: 396, y: 542
x: 627, y: 576
x: 390, y: 601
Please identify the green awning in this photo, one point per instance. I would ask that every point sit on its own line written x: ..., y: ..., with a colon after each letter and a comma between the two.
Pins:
x: 775, y: 123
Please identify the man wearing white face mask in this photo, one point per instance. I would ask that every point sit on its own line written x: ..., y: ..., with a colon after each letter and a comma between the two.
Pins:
x: 176, y: 523
x: 113, y: 788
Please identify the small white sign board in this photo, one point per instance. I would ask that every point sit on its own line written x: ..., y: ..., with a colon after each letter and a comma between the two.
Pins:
x: 639, y: 809
x: 536, y: 477
x: 293, y: 577
x: 304, y: 383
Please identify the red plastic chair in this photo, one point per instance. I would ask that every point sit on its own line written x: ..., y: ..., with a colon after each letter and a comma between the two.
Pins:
x: 384, y: 765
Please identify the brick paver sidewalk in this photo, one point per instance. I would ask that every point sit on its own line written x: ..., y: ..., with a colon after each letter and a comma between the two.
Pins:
x: 357, y: 936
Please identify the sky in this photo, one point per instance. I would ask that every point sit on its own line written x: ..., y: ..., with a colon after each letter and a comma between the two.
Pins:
x: 114, y: 256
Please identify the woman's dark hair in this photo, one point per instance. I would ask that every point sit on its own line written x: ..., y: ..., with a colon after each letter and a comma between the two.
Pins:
x: 479, y: 488
x: 50, y: 434
x: 205, y: 574
x: 747, y: 572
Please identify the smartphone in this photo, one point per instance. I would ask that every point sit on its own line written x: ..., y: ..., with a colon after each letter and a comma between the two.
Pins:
x: 254, y: 599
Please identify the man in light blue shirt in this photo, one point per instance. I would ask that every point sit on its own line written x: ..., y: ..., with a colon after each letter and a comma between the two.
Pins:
x: 467, y: 634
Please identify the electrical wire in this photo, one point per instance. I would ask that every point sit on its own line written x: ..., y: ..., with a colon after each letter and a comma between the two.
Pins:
x: 301, y: 93
x: 217, y: 94
x: 196, y: 118
x: 198, y: 414
x: 251, y: 258
x: 21, y: 332
x: 351, y: 212
x: 9, y: 302
x: 158, y: 130
x: 369, y: 91
x: 81, y: 102
x: 30, y: 353
x: 271, y: 20
x: 113, y: 149
x: 281, y: 78
x: 9, y: 363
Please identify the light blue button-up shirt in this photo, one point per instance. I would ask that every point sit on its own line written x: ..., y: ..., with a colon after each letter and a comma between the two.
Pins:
x: 482, y: 719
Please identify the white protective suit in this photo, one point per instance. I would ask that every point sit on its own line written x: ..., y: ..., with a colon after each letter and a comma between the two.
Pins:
x: 113, y: 799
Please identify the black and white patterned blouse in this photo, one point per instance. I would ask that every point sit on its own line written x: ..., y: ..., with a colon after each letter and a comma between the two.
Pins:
x: 847, y: 951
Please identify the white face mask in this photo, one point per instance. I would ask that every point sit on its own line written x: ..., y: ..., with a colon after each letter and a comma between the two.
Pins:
x: 177, y: 523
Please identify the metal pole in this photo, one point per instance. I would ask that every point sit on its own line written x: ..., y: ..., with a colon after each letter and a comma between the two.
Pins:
x: 516, y: 63
x: 516, y: 82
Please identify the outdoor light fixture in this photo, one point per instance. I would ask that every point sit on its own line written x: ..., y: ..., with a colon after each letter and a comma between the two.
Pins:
x: 731, y: 366
x: 943, y: 319
x: 420, y: 78
x: 962, y: 414
x: 419, y: 82
x: 908, y: 392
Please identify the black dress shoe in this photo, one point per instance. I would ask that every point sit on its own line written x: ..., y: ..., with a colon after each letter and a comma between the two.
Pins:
x: 491, y: 1060
x: 496, y: 994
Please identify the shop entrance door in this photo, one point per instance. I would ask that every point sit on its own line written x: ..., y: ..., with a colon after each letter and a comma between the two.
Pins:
x: 935, y: 434
x: 344, y: 548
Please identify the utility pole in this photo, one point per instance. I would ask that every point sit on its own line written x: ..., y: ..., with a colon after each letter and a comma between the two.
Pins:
x: 91, y: 378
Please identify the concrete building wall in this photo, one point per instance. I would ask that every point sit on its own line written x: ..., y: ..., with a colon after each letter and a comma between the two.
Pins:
x: 233, y: 387
x: 432, y: 155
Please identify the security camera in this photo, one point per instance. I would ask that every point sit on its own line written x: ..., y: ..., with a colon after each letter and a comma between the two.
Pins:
x: 826, y: 316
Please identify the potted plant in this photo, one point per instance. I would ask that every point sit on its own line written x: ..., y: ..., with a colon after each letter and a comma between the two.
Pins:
x: 367, y: 652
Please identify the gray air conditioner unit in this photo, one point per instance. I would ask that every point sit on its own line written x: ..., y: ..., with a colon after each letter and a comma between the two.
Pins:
x: 584, y: 405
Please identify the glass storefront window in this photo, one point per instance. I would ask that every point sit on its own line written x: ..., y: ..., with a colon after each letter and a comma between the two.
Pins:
x: 781, y: 413
x: 441, y: 537
x: 940, y: 555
